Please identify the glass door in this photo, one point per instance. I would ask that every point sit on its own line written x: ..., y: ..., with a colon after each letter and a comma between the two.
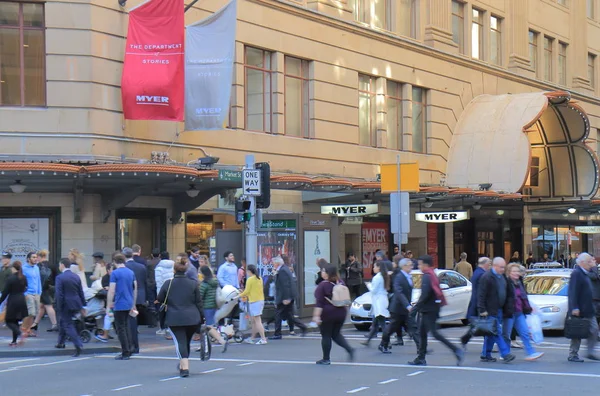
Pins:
x: 144, y: 227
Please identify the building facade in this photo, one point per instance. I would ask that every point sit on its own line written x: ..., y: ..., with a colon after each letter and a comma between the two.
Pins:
x: 325, y: 91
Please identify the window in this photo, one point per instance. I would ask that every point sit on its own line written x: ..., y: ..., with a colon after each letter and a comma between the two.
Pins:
x: 562, y: 63
x: 257, y: 64
x: 590, y: 9
x: 458, y: 24
x: 548, y: 43
x: 367, y: 110
x: 419, y: 120
x: 22, y: 54
x: 495, y: 40
x: 453, y: 279
x: 394, y: 115
x: 477, y: 34
x: 592, y: 69
x: 533, y: 37
x: 375, y: 13
x: 407, y: 17
x: 534, y: 172
x: 562, y: 2
x: 296, y: 97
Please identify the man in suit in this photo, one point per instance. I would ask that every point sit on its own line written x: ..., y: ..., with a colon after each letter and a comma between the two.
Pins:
x: 69, y: 302
x: 400, y: 306
x: 284, y: 298
x: 141, y: 275
x: 581, y: 304
x: 483, y: 265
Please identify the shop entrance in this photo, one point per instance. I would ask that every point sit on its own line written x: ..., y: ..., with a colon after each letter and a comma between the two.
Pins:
x: 145, y: 227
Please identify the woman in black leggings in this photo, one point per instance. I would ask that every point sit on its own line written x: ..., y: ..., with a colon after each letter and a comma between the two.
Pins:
x: 184, y: 312
x: 16, y: 307
x: 329, y: 317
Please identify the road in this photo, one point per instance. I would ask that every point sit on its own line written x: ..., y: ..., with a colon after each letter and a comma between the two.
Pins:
x: 288, y: 367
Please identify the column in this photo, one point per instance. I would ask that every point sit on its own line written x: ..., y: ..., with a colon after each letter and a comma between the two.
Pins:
x: 578, y: 51
x: 278, y: 96
x: 236, y: 115
x: 381, y: 117
x: 527, y: 237
x: 336, y: 8
x: 449, y: 244
x: 518, y: 38
x: 407, y: 125
x: 438, y: 32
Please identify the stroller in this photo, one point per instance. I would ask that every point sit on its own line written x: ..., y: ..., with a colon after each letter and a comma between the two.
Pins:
x: 92, y: 323
x: 227, y: 301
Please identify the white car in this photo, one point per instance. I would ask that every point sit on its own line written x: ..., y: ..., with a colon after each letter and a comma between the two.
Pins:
x: 456, y: 289
x: 549, y: 292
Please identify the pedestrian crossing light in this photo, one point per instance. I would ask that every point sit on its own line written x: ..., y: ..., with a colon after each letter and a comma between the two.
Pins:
x: 242, y: 211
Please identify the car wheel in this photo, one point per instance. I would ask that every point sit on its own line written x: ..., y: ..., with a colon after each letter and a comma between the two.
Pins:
x: 362, y: 327
x: 465, y: 322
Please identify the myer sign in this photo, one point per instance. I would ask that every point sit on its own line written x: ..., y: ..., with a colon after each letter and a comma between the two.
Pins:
x: 442, y: 217
x: 350, y: 210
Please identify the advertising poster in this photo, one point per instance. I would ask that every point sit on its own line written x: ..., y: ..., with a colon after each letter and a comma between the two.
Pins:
x: 432, y: 243
x: 271, y: 244
x: 21, y: 236
x: 317, y: 245
x: 375, y: 236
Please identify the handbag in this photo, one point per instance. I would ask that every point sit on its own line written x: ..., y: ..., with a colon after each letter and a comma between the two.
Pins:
x: 162, y: 310
x: 484, y: 326
x: 577, y: 328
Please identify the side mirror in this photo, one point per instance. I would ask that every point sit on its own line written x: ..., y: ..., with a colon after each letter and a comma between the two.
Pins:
x: 444, y: 286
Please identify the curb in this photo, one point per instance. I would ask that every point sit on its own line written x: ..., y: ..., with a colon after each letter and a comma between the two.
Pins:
x: 17, y: 353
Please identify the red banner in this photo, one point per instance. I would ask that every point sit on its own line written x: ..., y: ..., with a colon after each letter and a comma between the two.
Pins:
x: 152, y: 86
x: 375, y: 236
x: 432, y: 243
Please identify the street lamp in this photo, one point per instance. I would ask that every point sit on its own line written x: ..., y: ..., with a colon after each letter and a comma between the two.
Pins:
x: 192, y: 192
x: 572, y: 210
x: 18, y: 188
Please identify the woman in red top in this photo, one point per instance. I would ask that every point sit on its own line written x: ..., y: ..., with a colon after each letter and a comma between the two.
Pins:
x: 329, y: 317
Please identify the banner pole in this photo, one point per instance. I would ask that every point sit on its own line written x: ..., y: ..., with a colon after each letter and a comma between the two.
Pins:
x: 187, y: 7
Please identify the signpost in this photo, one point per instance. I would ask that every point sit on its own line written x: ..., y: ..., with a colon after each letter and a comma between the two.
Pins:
x: 251, y: 188
x: 251, y: 181
x: 230, y: 175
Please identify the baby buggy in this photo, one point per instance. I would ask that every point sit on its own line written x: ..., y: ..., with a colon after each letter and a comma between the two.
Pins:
x: 91, y: 324
x: 227, y: 301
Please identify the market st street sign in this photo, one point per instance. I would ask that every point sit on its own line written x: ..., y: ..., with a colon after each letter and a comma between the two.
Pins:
x: 350, y: 210
x: 588, y: 229
x: 442, y: 217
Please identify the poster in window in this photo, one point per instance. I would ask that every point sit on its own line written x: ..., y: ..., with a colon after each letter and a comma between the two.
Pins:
x: 317, y: 245
x: 272, y: 244
x: 375, y: 236
x: 21, y: 236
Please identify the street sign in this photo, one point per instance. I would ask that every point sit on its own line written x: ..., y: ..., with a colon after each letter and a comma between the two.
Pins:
x: 230, y: 175
x: 409, y: 177
x: 400, y: 213
x: 251, y: 182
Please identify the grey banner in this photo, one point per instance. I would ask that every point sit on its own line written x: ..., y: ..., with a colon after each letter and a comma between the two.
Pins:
x: 209, y: 55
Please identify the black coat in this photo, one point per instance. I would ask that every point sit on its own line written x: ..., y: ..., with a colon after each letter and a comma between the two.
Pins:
x: 488, y: 299
x: 580, y: 294
x: 352, y: 273
x: 14, y: 290
x: 427, y: 300
x: 141, y: 274
x: 284, y: 285
x: 402, y: 294
x: 594, y: 276
x: 472, y: 311
x: 184, y: 302
x: 69, y: 292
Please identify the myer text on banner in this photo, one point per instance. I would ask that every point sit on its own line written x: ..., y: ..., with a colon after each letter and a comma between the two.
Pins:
x: 153, y: 71
x: 210, y: 50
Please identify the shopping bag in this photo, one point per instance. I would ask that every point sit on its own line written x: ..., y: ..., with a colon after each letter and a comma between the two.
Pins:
x: 577, y: 328
x: 484, y: 326
x: 534, y: 322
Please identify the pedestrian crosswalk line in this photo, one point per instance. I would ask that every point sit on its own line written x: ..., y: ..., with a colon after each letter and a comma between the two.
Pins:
x: 415, y: 373
x: 388, y: 381
x: 126, y: 387
x: 212, y: 371
x: 362, y: 388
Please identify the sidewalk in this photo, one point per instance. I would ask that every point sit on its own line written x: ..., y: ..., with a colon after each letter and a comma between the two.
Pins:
x: 43, y: 344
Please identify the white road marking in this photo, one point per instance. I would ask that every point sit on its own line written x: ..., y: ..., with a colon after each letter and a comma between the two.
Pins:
x: 212, y: 371
x: 169, y: 379
x: 362, y: 388
x: 45, y: 364
x: 246, y: 364
x: 388, y: 365
x: 388, y: 381
x: 127, y: 387
x: 415, y: 373
x: 19, y: 361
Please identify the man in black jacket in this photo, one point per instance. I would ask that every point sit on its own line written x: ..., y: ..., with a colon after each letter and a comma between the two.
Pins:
x: 284, y: 298
x: 352, y: 271
x: 429, y: 306
x: 400, y: 306
x: 495, y: 298
x: 581, y: 304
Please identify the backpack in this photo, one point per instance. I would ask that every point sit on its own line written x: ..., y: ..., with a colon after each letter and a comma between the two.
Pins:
x: 340, y: 296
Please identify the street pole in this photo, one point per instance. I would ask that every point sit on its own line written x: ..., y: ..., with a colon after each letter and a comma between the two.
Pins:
x: 251, y: 236
x: 398, y: 236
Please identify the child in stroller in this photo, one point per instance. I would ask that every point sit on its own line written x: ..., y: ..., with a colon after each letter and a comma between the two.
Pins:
x: 91, y: 324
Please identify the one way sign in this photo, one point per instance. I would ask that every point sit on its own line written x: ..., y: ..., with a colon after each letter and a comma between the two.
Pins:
x: 251, y: 182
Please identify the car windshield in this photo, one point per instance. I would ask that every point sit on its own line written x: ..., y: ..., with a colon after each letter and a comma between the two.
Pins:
x: 547, y: 285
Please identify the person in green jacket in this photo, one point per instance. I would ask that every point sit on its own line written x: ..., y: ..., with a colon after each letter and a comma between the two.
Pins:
x: 208, y: 291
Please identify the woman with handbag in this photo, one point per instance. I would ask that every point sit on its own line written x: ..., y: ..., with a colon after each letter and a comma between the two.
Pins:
x: 181, y: 306
x: 521, y: 309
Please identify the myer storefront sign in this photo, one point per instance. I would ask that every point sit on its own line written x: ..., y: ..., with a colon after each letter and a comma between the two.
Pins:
x: 350, y: 210
x: 442, y: 217
x: 588, y: 229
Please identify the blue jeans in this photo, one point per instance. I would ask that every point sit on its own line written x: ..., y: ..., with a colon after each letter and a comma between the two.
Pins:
x: 519, y: 322
x: 498, y: 339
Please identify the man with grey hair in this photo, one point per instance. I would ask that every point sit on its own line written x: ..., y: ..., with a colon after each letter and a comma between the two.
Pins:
x: 400, y: 307
x: 285, y: 294
x: 581, y: 304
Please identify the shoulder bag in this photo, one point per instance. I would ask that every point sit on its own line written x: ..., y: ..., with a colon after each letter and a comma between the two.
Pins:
x: 577, y: 328
x: 162, y: 310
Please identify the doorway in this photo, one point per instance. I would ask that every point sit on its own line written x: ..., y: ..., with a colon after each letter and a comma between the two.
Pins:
x: 145, y: 227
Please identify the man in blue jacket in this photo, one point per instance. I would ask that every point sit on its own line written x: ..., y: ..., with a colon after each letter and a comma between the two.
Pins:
x: 581, y: 304
x: 483, y: 265
x: 69, y: 302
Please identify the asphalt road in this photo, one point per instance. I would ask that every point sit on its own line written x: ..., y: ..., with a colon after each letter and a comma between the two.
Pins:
x: 288, y: 367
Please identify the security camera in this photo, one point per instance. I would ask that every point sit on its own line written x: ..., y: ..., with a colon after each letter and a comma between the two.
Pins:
x: 122, y: 2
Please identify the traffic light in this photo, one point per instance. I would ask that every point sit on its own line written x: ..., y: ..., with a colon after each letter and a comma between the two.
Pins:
x: 264, y: 201
x: 242, y: 214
